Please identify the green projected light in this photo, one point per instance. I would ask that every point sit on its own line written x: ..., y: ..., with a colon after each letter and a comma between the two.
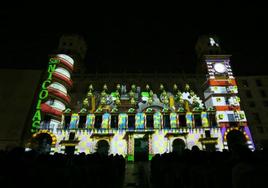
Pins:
x: 145, y: 94
x: 130, y: 158
x: 43, y: 94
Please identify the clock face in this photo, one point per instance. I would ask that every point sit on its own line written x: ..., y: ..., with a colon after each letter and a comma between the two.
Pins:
x: 219, y: 67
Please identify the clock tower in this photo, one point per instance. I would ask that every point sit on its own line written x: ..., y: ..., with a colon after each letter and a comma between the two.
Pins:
x: 206, y: 45
x: 221, y: 95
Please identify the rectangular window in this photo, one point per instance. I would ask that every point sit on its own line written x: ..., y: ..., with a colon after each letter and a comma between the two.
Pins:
x: 251, y: 104
x: 98, y: 121
x: 131, y: 122
x: 197, y: 120
x: 114, y: 121
x: 212, y: 120
x: 67, y: 120
x: 256, y: 117
x: 207, y: 134
x: 263, y: 93
x: 265, y: 103
x: 71, y: 135
x: 149, y: 121
x: 260, y: 129
x: 82, y: 122
x: 258, y: 83
x: 231, y: 117
x: 182, y: 120
x: 248, y: 94
x: 166, y: 121
x: 244, y: 83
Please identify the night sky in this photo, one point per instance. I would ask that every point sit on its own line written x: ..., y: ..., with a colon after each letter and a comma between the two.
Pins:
x: 162, y: 41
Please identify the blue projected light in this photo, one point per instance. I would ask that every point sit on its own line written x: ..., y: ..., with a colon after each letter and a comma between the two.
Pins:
x: 74, y: 121
x: 157, y: 120
x: 173, y: 120
x: 90, y: 121
x: 140, y: 123
x: 122, y: 121
x: 106, y: 118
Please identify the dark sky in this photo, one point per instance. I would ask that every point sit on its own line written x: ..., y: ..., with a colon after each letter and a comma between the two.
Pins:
x: 161, y: 41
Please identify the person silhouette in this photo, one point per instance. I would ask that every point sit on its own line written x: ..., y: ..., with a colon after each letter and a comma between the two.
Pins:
x: 195, y: 148
x: 178, y: 146
x: 103, y: 148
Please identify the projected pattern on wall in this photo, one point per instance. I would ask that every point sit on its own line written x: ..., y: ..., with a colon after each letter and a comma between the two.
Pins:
x: 129, y: 114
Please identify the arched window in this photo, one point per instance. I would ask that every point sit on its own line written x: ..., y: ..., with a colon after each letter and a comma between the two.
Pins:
x: 166, y: 121
x: 67, y: 120
x: 182, y: 120
x: 149, y: 121
x: 131, y: 121
x: 82, y: 121
x: 114, y: 121
x: 98, y: 121
x: 197, y: 120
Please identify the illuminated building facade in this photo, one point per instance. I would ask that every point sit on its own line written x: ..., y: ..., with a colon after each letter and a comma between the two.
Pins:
x: 136, y: 118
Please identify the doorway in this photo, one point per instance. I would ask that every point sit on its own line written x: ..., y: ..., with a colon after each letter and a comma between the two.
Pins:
x: 43, y: 141
x: 141, y: 149
x: 235, y: 138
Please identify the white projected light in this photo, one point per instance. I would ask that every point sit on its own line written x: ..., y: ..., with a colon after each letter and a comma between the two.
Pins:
x: 212, y: 42
x: 219, y: 67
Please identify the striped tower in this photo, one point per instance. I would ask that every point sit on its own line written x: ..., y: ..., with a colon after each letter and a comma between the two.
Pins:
x: 221, y: 93
x: 58, y: 97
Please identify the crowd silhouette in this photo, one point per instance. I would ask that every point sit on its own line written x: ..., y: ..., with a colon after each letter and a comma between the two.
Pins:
x: 239, y: 167
x: 35, y: 169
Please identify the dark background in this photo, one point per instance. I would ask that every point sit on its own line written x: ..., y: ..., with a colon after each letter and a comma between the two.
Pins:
x: 159, y: 41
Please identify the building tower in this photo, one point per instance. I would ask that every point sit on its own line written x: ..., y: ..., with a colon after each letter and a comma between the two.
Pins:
x: 53, y: 95
x: 221, y: 93
x: 75, y: 46
x: 206, y: 45
x: 54, y: 98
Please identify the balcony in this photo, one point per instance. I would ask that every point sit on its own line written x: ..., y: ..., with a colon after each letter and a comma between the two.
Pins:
x: 63, y: 78
x: 65, y: 98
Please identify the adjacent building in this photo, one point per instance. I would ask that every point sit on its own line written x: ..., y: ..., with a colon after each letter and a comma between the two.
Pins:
x: 254, y: 99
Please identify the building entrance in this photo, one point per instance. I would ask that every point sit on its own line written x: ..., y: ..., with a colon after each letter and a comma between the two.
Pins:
x: 141, y: 149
